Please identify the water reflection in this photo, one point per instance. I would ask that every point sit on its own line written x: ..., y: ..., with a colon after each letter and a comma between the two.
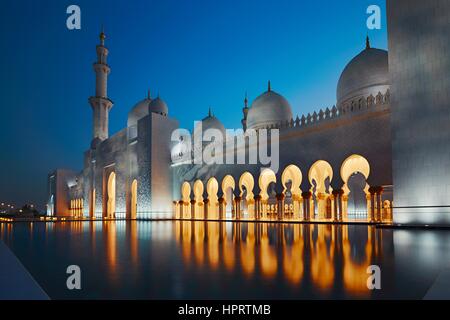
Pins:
x: 324, y: 253
x: 222, y: 260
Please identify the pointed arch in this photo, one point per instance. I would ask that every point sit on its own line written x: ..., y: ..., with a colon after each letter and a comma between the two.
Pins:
x: 319, y: 172
x: 355, y: 171
x: 228, y: 186
x: 133, y: 211
x: 354, y: 164
x: 246, y: 180
x: 246, y: 185
x: 198, y: 197
x: 291, y: 179
x: 111, y: 196
x: 212, y: 188
x: 266, y: 177
x: 320, y: 175
x: 294, y: 174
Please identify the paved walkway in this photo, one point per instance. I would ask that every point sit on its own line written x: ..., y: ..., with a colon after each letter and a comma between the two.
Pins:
x: 16, y: 283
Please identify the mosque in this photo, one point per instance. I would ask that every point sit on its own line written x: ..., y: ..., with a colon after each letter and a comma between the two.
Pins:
x: 335, y: 165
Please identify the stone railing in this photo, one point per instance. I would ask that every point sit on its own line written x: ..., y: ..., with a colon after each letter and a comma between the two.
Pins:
x: 345, y: 109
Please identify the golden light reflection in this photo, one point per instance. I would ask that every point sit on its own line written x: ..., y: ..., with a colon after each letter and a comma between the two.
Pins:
x: 323, y: 255
x: 269, y: 263
x: 213, y: 244
x: 354, y: 273
x: 109, y: 231
x: 199, y: 244
x: 293, y: 264
x: 134, y: 240
x: 248, y: 251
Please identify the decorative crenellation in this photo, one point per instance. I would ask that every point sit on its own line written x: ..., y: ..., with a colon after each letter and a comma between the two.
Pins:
x: 345, y: 109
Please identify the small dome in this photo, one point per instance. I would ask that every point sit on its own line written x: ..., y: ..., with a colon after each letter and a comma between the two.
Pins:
x: 365, y: 74
x: 139, y: 111
x: 158, y: 106
x: 268, y: 109
x: 210, y: 122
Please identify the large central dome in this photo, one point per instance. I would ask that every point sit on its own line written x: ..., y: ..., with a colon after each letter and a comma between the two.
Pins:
x: 365, y: 74
x: 268, y: 109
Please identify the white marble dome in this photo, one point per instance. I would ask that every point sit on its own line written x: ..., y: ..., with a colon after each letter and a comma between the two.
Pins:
x: 139, y: 111
x: 365, y: 74
x: 158, y: 106
x: 210, y: 122
x: 268, y: 109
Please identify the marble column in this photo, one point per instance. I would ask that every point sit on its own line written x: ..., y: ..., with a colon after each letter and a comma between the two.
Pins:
x: 193, y: 202
x: 237, y: 207
x: 181, y: 209
x: 280, y: 206
x: 257, y: 207
x: 221, y: 201
x: 307, y: 205
x: 336, y: 200
x: 379, y: 192
x: 205, y: 208
x: 373, y: 205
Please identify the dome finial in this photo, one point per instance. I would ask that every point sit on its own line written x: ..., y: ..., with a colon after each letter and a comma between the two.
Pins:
x: 245, y: 100
x: 102, y: 35
x: 148, y: 94
x: 367, y: 42
x: 209, y: 112
x: 269, y: 86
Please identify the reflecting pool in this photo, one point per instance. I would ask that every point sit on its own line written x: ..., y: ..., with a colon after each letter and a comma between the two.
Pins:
x: 220, y: 260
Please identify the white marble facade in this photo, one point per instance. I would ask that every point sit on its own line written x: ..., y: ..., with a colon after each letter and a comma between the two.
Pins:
x: 335, y: 164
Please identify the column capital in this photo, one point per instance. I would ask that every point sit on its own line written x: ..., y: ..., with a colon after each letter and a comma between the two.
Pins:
x: 280, y: 196
x: 321, y: 195
x: 376, y: 189
x: 338, y: 192
x: 306, y: 194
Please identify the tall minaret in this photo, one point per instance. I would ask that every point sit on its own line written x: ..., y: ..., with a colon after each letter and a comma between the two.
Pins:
x: 100, y: 103
x: 245, y: 112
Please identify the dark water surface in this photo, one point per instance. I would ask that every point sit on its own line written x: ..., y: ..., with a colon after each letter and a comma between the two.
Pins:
x: 213, y: 260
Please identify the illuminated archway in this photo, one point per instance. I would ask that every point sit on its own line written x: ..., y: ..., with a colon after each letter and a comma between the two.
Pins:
x: 134, y: 199
x: 228, y: 186
x: 355, y: 171
x: 92, y: 203
x: 291, y: 178
x: 51, y: 206
x: 111, y: 193
x: 266, y: 177
x: 198, y: 197
x: 186, y: 197
x: 246, y: 184
x: 212, y: 188
x: 320, y: 175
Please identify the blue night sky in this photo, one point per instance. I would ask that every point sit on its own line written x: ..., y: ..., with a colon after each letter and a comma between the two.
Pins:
x: 196, y: 54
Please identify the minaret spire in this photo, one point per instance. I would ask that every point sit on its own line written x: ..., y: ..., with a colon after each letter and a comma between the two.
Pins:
x: 269, y: 87
x: 102, y: 36
x: 367, y: 42
x: 100, y: 102
x: 245, y: 112
x: 245, y: 100
x: 148, y: 94
x: 209, y: 112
